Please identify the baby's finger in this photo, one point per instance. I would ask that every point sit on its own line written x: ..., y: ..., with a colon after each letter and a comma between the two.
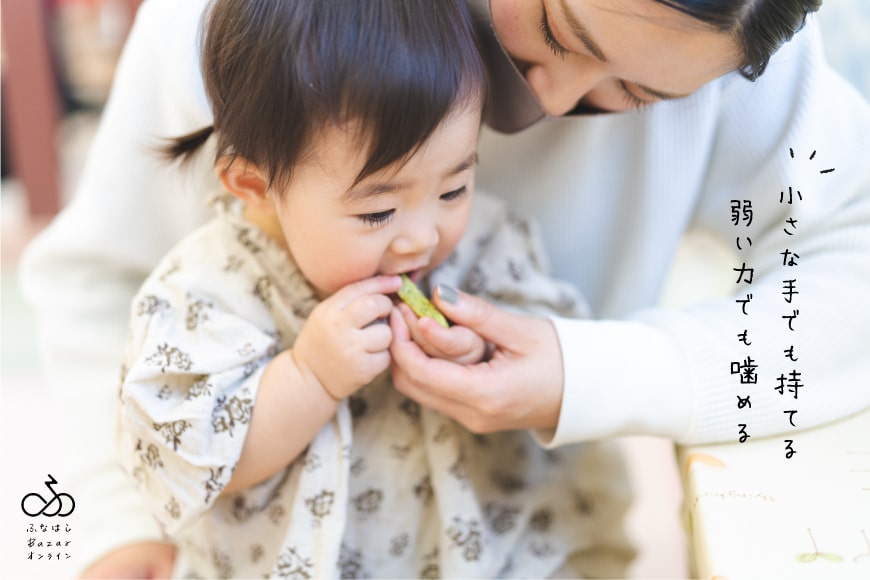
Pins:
x: 377, y: 337
x: 374, y: 285
x: 365, y: 309
x: 375, y: 364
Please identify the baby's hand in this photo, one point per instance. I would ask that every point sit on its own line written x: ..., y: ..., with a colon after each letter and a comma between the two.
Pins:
x: 342, y: 345
x: 457, y: 343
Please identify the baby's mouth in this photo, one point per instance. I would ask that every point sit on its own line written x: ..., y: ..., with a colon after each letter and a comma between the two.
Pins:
x: 415, y: 275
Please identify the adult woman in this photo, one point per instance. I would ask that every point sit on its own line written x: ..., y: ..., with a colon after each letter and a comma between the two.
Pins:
x: 726, y: 143
x: 615, y: 191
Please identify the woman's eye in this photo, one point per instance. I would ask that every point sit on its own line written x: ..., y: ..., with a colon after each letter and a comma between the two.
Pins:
x: 550, y: 39
x: 455, y: 194
x: 377, y: 218
x: 632, y: 100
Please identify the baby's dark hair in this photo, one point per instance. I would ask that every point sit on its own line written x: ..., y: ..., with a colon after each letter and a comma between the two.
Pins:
x: 279, y: 72
x: 760, y: 27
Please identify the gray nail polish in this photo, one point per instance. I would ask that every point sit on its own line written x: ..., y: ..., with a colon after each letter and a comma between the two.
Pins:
x: 447, y: 293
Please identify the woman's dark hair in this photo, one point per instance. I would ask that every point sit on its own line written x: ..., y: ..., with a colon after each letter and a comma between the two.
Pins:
x: 278, y: 72
x: 760, y: 27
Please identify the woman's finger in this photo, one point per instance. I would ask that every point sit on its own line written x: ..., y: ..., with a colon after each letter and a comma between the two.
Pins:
x: 411, y: 321
x: 513, y: 390
x: 503, y: 328
x: 457, y: 343
x: 453, y: 408
x: 416, y: 363
x: 406, y: 385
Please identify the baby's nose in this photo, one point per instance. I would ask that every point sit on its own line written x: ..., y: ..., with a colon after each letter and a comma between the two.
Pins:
x: 416, y: 239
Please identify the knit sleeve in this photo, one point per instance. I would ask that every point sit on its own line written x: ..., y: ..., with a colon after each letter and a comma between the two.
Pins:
x: 788, y: 188
x: 81, y: 272
x: 802, y: 272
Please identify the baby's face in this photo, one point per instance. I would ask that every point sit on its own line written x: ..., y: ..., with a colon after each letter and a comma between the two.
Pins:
x: 406, y: 218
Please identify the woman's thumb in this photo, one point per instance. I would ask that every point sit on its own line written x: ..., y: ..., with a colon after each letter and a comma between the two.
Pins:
x: 493, y: 324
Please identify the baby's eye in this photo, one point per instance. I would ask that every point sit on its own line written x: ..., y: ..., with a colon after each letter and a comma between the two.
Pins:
x: 377, y: 218
x: 455, y: 194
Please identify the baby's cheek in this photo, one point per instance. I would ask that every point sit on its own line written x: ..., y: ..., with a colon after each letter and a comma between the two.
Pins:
x: 449, y: 240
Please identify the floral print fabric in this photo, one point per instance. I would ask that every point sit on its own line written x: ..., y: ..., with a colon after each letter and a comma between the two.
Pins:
x: 386, y: 488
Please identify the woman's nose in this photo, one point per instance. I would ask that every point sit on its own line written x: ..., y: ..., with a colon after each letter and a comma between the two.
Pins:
x: 560, y: 85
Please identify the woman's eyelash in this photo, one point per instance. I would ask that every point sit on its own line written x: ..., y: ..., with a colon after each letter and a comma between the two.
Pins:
x: 550, y: 39
x: 455, y: 194
x: 378, y: 218
x: 631, y: 99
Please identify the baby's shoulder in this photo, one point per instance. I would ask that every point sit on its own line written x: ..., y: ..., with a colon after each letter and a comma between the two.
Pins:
x: 220, y: 258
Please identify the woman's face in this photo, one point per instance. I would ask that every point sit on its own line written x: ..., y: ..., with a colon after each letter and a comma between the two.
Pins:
x: 610, y: 55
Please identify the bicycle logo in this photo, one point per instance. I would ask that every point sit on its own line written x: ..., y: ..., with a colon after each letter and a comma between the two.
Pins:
x: 62, y: 504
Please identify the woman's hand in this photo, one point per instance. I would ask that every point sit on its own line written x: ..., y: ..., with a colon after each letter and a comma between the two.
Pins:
x: 458, y: 344
x: 139, y: 560
x: 518, y: 387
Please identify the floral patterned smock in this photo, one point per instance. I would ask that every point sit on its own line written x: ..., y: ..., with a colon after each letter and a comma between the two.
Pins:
x: 386, y: 488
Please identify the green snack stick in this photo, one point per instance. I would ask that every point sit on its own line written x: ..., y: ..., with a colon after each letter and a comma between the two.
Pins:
x: 413, y: 297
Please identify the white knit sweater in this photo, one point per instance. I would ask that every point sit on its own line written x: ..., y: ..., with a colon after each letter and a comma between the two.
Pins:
x: 615, y: 194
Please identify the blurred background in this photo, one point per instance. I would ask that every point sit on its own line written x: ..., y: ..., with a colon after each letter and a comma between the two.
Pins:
x: 58, y: 58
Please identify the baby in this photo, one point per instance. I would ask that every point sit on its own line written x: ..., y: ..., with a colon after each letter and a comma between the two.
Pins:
x: 256, y: 412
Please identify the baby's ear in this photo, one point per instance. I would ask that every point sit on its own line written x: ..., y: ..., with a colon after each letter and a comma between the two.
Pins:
x: 244, y: 180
